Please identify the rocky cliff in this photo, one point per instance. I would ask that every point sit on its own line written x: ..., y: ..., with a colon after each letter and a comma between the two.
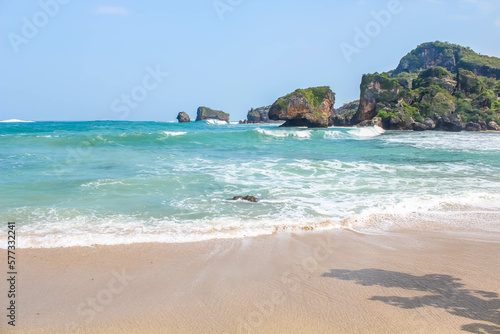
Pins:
x: 451, y: 57
x: 343, y: 116
x: 436, y: 86
x: 258, y: 115
x: 207, y: 113
x: 311, y: 107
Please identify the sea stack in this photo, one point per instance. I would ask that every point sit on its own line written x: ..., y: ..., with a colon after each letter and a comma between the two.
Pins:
x: 311, y: 107
x: 183, y: 117
x: 205, y: 113
x: 258, y: 115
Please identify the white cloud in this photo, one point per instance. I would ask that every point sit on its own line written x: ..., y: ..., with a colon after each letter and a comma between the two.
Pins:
x: 110, y: 10
x: 497, y: 22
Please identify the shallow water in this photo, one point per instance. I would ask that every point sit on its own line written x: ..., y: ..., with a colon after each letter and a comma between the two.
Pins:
x: 84, y: 183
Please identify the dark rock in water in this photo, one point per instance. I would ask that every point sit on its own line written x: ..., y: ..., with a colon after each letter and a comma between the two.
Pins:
x: 205, y: 113
x: 311, y: 107
x: 246, y: 198
x: 183, y: 117
x: 452, y: 123
x: 417, y: 126
x: 473, y: 127
x: 258, y: 115
x: 493, y: 126
x: 428, y: 124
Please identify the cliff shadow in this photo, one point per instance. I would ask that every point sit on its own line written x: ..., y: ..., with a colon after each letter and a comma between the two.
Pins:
x: 444, y: 292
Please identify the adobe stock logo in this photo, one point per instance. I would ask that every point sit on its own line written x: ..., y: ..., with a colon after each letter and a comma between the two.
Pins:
x: 30, y: 28
x: 363, y: 37
x: 224, y: 6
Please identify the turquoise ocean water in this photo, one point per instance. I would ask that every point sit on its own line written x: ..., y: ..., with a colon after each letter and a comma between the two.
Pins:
x: 85, y: 183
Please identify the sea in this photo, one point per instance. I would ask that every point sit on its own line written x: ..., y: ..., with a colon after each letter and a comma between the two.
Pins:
x: 70, y: 184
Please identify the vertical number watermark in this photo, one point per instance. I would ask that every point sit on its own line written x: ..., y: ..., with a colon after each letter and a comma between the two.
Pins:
x: 11, y: 273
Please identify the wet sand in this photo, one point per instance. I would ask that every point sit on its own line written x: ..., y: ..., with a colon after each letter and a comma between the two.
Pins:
x: 307, y: 282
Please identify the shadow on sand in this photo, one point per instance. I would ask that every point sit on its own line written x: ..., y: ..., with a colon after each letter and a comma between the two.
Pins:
x: 445, y: 292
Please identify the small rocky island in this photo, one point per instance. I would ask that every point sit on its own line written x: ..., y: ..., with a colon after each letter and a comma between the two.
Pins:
x: 205, y: 113
x: 311, y: 107
x: 258, y: 115
x: 183, y: 117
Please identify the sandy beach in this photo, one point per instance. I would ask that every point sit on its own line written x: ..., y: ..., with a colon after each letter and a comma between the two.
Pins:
x: 307, y: 282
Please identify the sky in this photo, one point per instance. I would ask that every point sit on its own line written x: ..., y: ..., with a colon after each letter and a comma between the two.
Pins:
x: 148, y: 60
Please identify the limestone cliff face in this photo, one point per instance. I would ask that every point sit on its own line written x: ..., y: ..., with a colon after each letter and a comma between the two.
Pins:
x: 312, y: 107
x: 343, y: 116
x: 435, y: 87
x: 205, y: 113
x: 376, y: 92
x: 183, y: 118
x: 259, y: 115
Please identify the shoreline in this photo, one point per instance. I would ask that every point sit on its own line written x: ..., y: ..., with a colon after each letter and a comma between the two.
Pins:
x: 459, y: 218
x: 335, y: 281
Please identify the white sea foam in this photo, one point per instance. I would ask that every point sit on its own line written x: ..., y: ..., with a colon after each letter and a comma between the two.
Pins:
x: 367, y: 132
x: 16, y: 121
x: 302, y: 134
x: 334, y: 135
x: 65, y: 228
x: 174, y: 133
x: 101, y: 183
x: 465, y: 141
x: 215, y: 122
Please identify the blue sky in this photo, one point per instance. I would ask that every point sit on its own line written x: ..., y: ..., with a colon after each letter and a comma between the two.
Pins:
x: 81, y: 59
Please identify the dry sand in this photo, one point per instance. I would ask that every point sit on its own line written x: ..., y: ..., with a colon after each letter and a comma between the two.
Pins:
x: 307, y: 282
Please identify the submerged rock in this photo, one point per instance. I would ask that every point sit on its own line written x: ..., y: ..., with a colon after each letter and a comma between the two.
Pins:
x: 311, y: 107
x: 183, y: 117
x: 252, y: 199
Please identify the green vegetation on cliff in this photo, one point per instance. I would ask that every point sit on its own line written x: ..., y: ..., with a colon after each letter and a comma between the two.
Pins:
x: 449, y: 56
x: 204, y: 113
x: 434, y: 81
x: 311, y: 107
x: 315, y: 95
